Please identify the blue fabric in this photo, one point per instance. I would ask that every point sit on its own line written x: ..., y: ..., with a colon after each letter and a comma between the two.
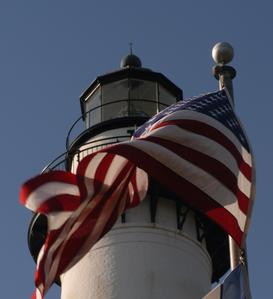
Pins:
x: 234, y: 286
x: 216, y: 104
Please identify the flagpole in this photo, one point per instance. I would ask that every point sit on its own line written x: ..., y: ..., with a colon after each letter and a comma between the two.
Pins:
x: 222, y: 54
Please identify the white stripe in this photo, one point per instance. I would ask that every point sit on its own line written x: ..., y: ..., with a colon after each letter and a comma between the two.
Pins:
x: 40, y: 255
x: 201, y: 179
x: 141, y: 183
x: 57, y: 219
x: 206, y: 146
x: 48, y: 190
x: 246, y: 156
x: 131, y: 192
x: 114, y: 169
x: 40, y: 287
x: 90, y: 173
x: 244, y: 185
x: 38, y: 294
x: 193, y: 115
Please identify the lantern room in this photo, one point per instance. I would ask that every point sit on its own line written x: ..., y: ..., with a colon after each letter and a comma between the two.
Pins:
x: 131, y: 91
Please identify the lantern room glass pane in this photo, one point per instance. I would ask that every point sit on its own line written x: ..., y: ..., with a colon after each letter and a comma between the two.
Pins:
x: 115, y: 110
x: 142, y: 108
x: 93, y: 109
x: 115, y: 99
x: 165, y: 97
x: 143, y: 98
x: 115, y: 91
x: 143, y: 90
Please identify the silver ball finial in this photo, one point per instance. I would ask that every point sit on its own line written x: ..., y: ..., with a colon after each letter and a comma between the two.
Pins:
x: 222, y: 53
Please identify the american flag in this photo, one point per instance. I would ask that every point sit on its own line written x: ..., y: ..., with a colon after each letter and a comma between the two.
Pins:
x: 195, y: 148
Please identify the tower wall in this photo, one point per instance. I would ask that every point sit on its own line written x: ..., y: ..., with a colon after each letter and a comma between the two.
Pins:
x: 139, y: 259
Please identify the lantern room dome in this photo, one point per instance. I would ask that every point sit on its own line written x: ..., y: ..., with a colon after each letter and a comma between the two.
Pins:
x: 130, y: 60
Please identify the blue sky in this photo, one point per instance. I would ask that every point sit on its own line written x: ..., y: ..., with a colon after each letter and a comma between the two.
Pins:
x: 51, y: 50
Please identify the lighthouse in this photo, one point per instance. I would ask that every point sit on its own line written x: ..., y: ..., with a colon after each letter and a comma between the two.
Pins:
x: 160, y: 249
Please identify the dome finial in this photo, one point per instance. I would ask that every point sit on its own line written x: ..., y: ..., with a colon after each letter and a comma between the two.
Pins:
x: 131, y: 48
x: 130, y: 60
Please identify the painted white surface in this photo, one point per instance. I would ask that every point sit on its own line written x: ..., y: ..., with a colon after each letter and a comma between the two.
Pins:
x: 141, y: 260
x: 98, y: 143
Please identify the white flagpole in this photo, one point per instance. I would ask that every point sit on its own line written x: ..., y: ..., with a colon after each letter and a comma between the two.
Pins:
x: 222, y: 54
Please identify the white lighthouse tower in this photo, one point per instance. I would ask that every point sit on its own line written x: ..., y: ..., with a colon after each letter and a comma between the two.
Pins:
x: 160, y: 249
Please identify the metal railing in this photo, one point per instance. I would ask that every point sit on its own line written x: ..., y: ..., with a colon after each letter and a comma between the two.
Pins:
x: 64, y: 161
x: 57, y: 164
x: 84, y: 115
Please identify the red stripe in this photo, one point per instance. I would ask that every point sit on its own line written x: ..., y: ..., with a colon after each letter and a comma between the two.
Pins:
x: 188, y: 192
x: 211, y: 133
x: 40, y: 275
x: 243, y: 201
x: 225, y: 220
x: 33, y: 295
x: 102, y: 171
x: 54, y: 176
x: 245, y: 169
x: 62, y: 202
